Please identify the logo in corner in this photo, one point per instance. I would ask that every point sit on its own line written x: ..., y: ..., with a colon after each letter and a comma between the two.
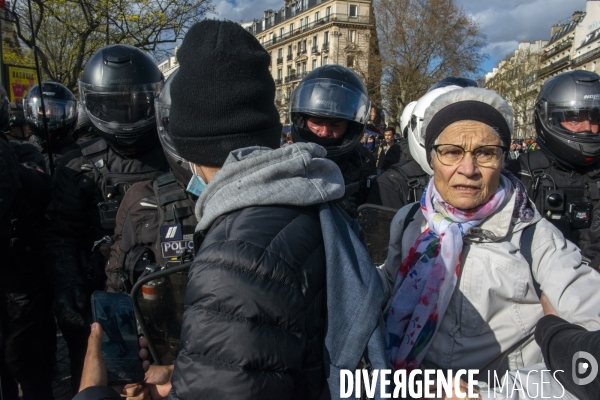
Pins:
x: 580, y: 367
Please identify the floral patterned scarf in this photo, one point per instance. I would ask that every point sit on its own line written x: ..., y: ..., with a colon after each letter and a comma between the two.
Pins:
x: 428, y: 275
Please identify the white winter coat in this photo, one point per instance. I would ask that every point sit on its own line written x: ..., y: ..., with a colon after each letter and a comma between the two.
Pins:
x: 492, y: 314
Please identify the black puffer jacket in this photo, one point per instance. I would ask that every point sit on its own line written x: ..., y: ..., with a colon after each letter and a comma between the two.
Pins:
x: 254, y: 322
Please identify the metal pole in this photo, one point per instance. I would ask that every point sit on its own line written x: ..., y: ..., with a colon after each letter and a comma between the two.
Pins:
x: 39, y: 76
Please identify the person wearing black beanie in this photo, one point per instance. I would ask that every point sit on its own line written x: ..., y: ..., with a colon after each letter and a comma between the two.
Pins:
x: 222, y: 97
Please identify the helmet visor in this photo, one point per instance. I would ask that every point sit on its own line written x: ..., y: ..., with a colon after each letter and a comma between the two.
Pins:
x: 330, y: 98
x: 581, y: 120
x: 162, y: 126
x: 58, y: 112
x: 121, y: 109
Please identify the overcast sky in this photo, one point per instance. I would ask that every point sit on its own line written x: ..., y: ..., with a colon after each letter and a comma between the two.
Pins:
x: 504, y: 22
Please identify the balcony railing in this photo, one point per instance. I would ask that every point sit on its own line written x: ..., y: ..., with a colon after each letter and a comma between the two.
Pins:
x: 554, y: 66
x: 278, y: 81
x: 279, y: 60
x: 300, y: 52
x: 289, y: 57
x: 325, y: 47
x: 590, y: 55
x: 295, y: 77
x: 361, y: 19
x: 315, y: 50
x: 556, y: 49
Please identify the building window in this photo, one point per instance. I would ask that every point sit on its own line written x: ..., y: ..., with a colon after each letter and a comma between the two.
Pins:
x: 281, y: 32
x: 353, y: 11
x: 350, y: 61
x: 315, y: 41
x: 301, y: 24
x: 271, y: 37
x: 325, y: 60
x: 326, y: 37
x: 327, y: 13
x: 291, y: 29
x: 314, y: 66
x: 289, y: 70
x: 279, y: 73
x: 317, y: 16
x: 280, y: 53
x: 352, y: 36
x: 289, y: 57
x: 594, y: 66
x: 304, y: 67
x: 306, y: 21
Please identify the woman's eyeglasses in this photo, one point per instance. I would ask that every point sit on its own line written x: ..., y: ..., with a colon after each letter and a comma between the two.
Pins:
x: 484, y: 156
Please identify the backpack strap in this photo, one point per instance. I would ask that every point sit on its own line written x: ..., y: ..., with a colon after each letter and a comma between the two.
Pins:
x: 94, y: 151
x: 525, y: 248
x: 410, y: 217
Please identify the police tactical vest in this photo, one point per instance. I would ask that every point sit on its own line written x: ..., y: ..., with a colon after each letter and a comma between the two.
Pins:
x: 176, y: 220
x: 565, y: 198
x: 111, y: 179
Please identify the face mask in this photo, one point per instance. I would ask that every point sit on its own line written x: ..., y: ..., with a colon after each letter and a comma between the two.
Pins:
x: 196, y: 185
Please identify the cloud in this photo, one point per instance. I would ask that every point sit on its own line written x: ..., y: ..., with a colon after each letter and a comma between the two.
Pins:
x: 508, y: 22
x: 245, y: 10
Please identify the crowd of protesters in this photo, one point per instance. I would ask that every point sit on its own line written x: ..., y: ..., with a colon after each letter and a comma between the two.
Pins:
x: 490, y: 249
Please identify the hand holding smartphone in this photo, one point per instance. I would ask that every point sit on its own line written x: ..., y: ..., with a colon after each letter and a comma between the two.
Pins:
x: 120, y: 346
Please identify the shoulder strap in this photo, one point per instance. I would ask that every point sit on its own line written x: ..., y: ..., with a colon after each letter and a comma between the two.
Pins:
x: 525, y: 248
x: 94, y: 151
x: 410, y: 217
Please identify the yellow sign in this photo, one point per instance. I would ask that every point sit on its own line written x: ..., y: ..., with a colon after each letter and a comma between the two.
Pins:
x: 20, y: 80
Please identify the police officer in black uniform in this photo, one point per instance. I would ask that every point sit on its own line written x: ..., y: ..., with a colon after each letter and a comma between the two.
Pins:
x: 118, y: 87
x: 18, y: 134
x: 156, y: 220
x: 330, y: 107
x: 84, y: 130
x: 27, y: 329
x: 61, y: 117
x: 563, y: 177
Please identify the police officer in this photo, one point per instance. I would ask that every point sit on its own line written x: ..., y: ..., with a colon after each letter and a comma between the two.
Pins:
x: 18, y: 135
x: 164, y: 202
x: 563, y: 178
x: 61, y: 117
x: 27, y: 329
x: 330, y: 107
x: 118, y: 87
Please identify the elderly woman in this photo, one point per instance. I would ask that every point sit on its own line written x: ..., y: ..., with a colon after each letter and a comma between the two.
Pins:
x: 461, y: 291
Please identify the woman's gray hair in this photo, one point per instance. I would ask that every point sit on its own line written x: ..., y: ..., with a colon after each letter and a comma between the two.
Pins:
x: 473, y: 96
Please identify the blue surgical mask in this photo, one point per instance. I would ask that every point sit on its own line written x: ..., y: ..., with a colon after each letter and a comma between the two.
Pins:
x: 196, y: 185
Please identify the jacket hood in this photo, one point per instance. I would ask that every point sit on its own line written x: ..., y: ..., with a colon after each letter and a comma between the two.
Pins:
x: 297, y: 175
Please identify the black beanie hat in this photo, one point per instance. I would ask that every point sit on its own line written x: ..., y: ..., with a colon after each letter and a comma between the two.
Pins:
x: 222, y: 98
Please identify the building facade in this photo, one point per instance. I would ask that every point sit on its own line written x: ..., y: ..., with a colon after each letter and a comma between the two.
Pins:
x: 306, y: 34
x: 572, y: 45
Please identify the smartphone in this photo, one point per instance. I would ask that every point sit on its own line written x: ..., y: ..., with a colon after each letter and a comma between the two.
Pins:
x: 120, y: 346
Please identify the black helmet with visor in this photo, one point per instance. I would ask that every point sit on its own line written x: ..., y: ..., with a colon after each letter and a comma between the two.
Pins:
x: 179, y: 165
x: 61, y: 110
x: 330, y: 92
x: 118, y: 87
x: 567, y: 114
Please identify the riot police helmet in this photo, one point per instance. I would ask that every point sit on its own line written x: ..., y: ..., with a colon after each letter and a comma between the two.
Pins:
x: 118, y: 87
x: 567, y: 115
x: 405, y: 118
x: 61, y: 110
x: 330, y: 92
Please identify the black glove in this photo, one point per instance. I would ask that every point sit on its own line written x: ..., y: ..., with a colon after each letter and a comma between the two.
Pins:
x: 349, y: 206
x: 71, y: 307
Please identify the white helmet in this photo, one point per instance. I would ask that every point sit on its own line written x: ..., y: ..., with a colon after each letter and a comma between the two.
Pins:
x: 416, y: 140
x: 405, y: 118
